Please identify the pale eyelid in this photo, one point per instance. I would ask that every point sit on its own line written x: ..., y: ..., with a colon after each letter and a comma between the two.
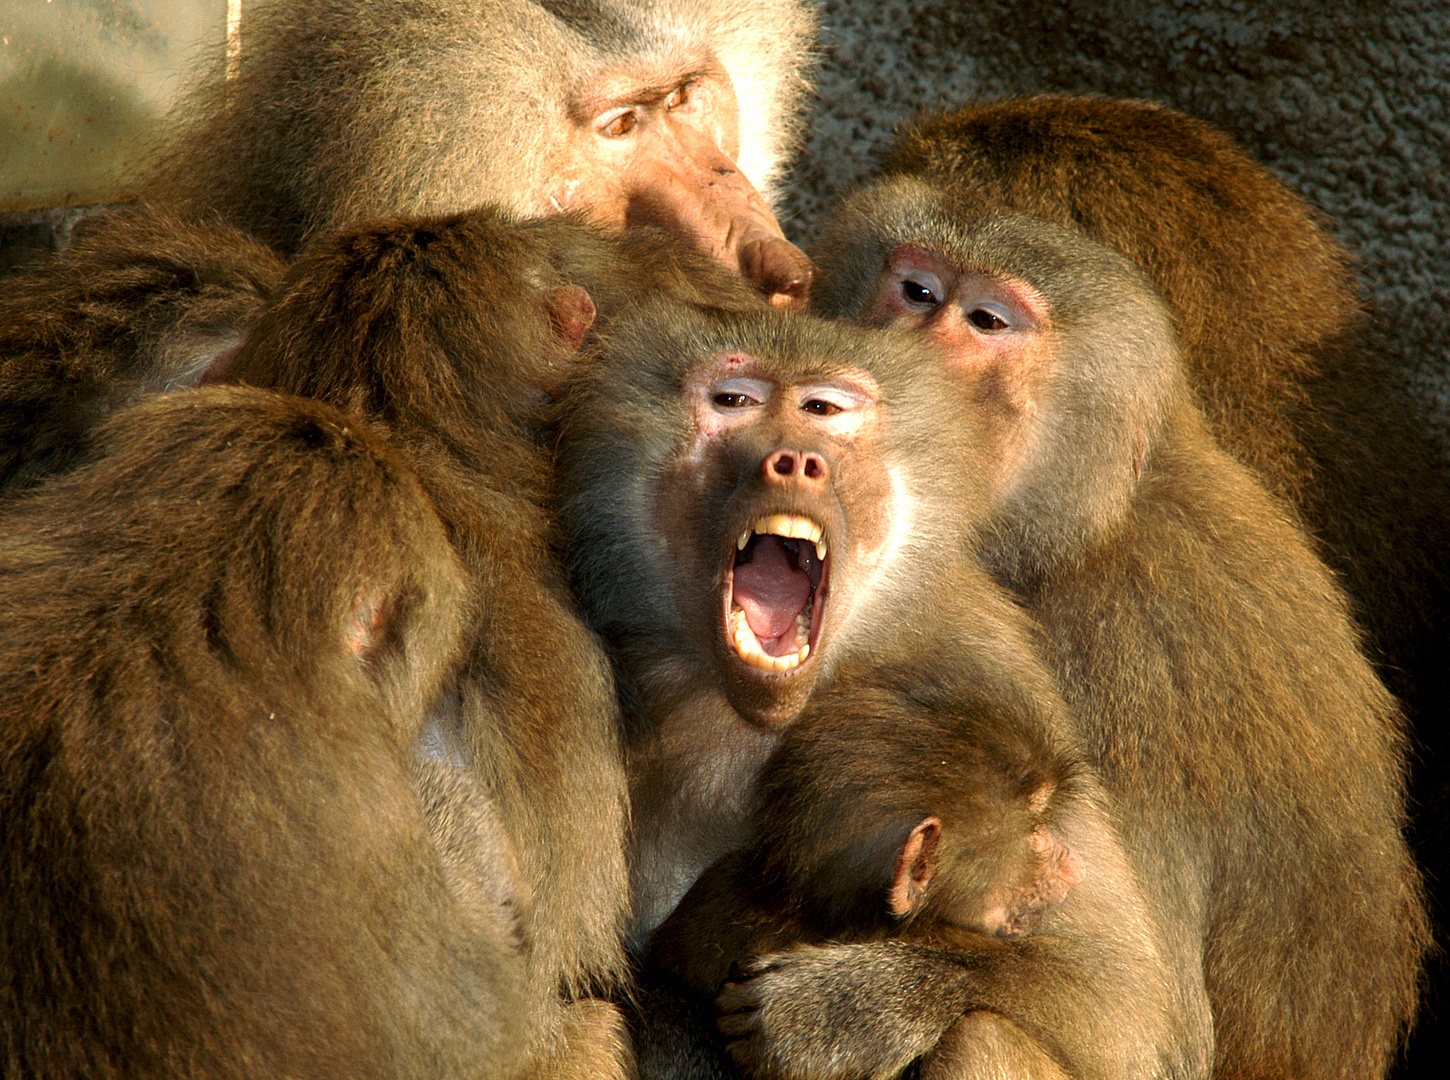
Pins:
x: 607, y: 119
x: 844, y: 398
x: 922, y: 279
x: 997, y: 308
x: 758, y: 390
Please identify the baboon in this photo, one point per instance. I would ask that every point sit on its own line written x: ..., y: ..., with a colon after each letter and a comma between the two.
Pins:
x: 143, y: 300
x: 757, y: 515
x: 1302, y: 391
x: 888, y: 809
x: 1293, y: 373
x: 223, y: 636
x: 450, y: 335
x: 666, y: 111
x: 1207, y: 654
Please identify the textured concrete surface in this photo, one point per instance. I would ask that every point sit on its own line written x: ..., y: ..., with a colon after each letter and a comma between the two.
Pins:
x: 1348, y: 101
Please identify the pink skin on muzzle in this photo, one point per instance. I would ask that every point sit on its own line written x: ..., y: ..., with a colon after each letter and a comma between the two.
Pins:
x: 686, y: 184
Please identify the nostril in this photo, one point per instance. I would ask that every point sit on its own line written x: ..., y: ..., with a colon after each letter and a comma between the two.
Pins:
x: 794, y: 464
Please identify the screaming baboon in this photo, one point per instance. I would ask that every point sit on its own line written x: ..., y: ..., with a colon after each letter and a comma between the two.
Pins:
x: 759, y: 523
x: 665, y: 111
x: 223, y: 635
x: 886, y: 810
x: 1293, y: 376
x: 1205, y: 651
x: 450, y: 334
x: 141, y: 301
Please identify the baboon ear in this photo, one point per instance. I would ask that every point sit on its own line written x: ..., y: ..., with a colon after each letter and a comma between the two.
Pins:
x: 915, y: 866
x: 573, y: 311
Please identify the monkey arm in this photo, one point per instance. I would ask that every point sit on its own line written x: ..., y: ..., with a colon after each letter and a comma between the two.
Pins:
x: 824, y: 1011
x: 870, y: 1009
x: 719, y: 923
x: 1094, y: 992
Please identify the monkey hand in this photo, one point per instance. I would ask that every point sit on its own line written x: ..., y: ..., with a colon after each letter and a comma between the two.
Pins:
x: 840, y: 1012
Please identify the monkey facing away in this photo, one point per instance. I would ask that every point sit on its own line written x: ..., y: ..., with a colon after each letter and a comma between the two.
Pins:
x: 666, y: 111
x: 449, y: 335
x: 143, y: 300
x: 223, y: 634
x: 147, y: 301
x: 758, y: 521
x: 1255, y: 761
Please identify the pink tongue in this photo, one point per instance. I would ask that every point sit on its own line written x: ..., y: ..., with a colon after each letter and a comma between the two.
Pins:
x: 771, y: 589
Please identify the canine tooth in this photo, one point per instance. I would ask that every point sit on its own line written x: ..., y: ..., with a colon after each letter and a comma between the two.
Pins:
x: 744, y: 539
x: 821, y: 549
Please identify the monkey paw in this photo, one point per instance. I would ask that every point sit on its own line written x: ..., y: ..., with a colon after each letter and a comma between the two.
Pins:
x: 835, y: 1011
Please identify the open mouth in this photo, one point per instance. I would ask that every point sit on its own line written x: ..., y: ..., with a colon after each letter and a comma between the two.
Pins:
x: 776, y: 589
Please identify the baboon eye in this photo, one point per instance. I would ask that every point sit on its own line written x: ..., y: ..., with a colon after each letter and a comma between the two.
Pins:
x: 987, y: 319
x: 620, y: 125
x: 680, y: 95
x: 730, y: 399
x: 917, y: 293
x: 821, y: 407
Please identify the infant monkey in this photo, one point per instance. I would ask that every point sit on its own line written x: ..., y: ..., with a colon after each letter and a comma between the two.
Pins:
x: 888, y: 810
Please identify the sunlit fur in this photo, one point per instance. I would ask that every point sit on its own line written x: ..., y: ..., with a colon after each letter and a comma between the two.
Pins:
x: 342, y: 110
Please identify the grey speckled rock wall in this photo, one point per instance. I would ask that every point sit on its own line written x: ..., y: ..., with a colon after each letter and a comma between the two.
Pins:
x: 1348, y: 101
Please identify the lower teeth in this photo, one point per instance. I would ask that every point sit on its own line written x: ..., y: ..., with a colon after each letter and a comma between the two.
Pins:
x: 747, y: 646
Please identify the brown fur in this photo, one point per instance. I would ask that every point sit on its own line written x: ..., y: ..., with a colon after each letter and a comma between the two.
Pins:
x: 142, y: 300
x: 223, y: 635
x: 1199, y: 217
x: 444, y: 333
x: 669, y: 447
x: 836, y: 852
x: 1205, y: 650
x: 343, y: 110
x: 1291, y: 369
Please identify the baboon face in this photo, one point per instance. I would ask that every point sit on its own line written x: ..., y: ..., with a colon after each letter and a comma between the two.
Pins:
x: 656, y: 142
x: 744, y: 494
x: 770, y: 503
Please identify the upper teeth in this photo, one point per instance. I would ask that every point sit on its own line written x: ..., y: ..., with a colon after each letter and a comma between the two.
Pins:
x: 788, y: 525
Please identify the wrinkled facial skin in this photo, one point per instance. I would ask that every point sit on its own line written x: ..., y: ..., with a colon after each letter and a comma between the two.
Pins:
x: 956, y: 306
x: 772, y: 516
x: 657, y: 144
x: 994, y: 330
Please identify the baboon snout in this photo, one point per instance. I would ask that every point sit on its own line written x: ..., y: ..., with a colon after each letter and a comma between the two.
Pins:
x: 785, y: 467
x: 781, y: 270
